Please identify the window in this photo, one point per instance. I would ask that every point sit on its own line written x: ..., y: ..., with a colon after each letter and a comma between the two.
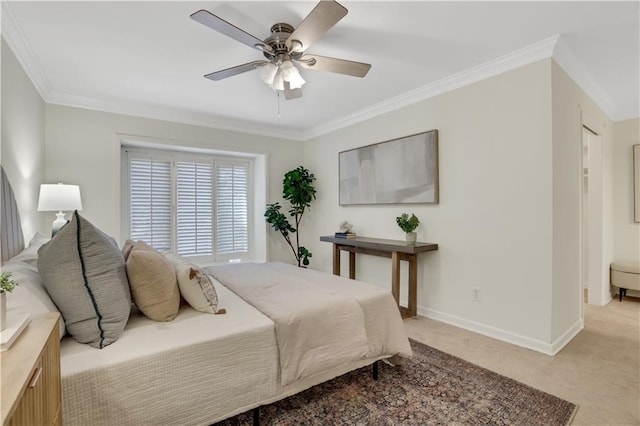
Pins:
x: 151, y: 202
x: 197, y: 206
x: 232, y: 208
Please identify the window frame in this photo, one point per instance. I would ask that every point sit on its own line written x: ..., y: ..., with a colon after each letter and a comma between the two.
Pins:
x: 173, y: 156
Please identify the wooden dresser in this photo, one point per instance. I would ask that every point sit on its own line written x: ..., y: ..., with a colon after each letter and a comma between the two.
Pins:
x: 30, y: 375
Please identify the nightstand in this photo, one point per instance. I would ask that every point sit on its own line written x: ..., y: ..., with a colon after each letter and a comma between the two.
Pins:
x: 30, y: 372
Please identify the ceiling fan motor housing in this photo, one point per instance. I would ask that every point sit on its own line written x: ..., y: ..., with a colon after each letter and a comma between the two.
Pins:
x: 280, y: 32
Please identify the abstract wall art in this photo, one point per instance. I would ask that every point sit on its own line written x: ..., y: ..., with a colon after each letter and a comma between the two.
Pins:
x: 399, y: 171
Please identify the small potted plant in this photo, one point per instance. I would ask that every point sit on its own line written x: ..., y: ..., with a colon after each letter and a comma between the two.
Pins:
x: 6, y: 286
x: 408, y: 225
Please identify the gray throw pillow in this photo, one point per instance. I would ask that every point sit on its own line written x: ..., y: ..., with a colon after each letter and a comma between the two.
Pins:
x: 83, y: 271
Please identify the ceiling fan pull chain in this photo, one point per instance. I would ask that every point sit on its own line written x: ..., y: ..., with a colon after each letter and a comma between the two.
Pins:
x: 278, y: 100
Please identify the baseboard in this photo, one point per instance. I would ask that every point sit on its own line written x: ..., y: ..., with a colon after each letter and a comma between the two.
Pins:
x: 566, y: 337
x: 496, y: 333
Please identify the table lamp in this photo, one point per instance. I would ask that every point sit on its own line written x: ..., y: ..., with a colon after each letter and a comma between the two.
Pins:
x: 59, y: 197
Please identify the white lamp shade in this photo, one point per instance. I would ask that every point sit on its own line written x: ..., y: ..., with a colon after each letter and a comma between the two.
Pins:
x: 268, y: 73
x: 276, y: 75
x: 296, y: 81
x: 291, y: 74
x: 59, y: 197
x: 278, y: 82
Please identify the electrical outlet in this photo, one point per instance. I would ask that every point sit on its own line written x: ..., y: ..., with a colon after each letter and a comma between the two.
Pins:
x: 475, y: 294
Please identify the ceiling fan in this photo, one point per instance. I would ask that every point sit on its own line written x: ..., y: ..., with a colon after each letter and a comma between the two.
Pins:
x: 285, y: 48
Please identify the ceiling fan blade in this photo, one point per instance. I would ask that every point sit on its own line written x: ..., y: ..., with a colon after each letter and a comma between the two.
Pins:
x: 339, y: 66
x: 238, y: 69
x: 290, y: 93
x: 325, y: 15
x: 216, y: 23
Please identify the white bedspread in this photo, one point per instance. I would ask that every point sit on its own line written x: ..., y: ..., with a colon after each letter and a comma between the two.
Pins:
x: 194, y: 370
x: 321, y: 320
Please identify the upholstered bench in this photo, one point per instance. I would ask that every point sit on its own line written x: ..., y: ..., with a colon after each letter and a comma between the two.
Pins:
x: 625, y: 276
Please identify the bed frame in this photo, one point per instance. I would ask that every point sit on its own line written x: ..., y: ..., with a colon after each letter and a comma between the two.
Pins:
x: 12, y: 242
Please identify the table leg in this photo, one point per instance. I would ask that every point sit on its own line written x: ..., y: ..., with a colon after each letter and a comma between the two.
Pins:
x: 413, y: 285
x: 336, y: 259
x: 395, y: 276
x: 352, y: 265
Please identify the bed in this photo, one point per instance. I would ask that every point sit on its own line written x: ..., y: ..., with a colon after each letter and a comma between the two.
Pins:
x: 202, y: 368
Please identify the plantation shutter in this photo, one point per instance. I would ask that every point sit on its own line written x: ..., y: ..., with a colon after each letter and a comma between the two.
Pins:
x: 194, y: 203
x: 232, y: 210
x: 150, y: 202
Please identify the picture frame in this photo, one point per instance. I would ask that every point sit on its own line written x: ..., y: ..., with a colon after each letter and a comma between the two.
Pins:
x: 636, y: 183
x: 398, y: 171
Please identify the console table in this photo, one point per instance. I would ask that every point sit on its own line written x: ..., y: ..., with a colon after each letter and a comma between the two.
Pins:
x: 395, y: 249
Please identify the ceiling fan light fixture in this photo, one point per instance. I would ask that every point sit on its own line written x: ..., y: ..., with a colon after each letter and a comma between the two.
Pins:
x: 285, y: 48
x: 276, y: 75
x: 296, y: 81
x: 291, y: 74
x: 268, y: 73
x: 278, y: 81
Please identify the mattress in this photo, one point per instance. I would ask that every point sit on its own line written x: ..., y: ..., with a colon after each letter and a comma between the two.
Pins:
x: 322, y: 321
x: 386, y: 335
x: 173, y: 373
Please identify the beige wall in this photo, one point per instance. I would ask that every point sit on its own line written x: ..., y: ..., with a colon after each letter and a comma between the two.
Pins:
x: 83, y: 147
x: 508, y: 218
x: 510, y: 211
x: 572, y: 109
x: 626, y: 231
x: 23, y: 122
x: 494, y: 221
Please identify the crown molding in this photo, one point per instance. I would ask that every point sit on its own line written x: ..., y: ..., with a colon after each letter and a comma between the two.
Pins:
x: 551, y: 47
x: 518, y: 58
x: 565, y: 58
x: 177, y: 115
x: 18, y: 43
x: 20, y: 46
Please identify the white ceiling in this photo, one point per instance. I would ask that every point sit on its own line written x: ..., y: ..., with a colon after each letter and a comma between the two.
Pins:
x: 149, y: 58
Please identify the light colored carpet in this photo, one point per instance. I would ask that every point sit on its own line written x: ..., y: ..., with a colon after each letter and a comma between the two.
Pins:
x: 599, y: 369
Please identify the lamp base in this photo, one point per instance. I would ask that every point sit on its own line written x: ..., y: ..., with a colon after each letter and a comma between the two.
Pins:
x: 58, y: 223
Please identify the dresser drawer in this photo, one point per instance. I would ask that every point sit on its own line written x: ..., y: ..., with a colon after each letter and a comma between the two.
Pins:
x: 38, y: 398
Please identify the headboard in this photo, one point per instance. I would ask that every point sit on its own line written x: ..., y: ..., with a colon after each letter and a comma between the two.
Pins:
x: 11, y: 238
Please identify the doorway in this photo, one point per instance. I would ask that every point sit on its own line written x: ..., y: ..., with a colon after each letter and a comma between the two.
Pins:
x: 595, y: 280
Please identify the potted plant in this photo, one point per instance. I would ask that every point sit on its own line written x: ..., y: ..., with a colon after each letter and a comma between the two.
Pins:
x: 6, y: 286
x: 408, y: 225
x: 297, y: 188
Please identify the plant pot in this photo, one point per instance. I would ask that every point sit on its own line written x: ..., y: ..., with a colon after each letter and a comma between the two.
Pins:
x: 3, y: 310
x: 411, y: 237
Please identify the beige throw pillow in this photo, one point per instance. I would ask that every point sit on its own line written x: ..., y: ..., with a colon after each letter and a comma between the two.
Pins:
x: 195, y: 285
x: 154, y: 288
x: 130, y: 244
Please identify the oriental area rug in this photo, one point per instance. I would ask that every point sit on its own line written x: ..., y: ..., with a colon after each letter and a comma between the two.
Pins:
x: 433, y: 388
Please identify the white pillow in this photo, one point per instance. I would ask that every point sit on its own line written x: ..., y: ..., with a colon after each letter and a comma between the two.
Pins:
x: 30, y: 295
x: 30, y: 254
x: 196, y: 287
